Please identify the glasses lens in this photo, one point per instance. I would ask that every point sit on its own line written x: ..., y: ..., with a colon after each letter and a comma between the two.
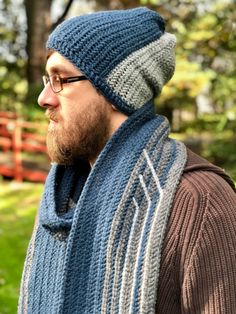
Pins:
x: 45, y: 80
x: 56, y: 83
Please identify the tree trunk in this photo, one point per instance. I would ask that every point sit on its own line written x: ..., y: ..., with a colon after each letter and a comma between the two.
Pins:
x: 39, y: 24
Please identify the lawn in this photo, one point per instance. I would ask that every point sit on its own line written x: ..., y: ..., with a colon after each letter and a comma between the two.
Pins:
x: 18, y: 205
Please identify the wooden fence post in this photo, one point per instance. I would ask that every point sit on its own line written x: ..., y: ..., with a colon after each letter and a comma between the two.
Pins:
x: 17, y: 146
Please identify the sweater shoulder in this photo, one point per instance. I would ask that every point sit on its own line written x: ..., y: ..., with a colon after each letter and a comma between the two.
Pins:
x: 199, y: 238
x: 205, y: 198
x: 203, y: 211
x: 204, y: 190
x: 197, y: 165
x: 202, y: 184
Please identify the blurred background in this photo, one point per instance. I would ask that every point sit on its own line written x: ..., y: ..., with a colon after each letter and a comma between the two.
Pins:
x: 200, y: 102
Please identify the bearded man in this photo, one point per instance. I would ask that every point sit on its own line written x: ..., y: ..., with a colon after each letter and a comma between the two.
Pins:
x: 130, y: 220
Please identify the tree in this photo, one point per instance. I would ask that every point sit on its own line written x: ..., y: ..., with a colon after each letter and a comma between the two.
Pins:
x: 12, y: 56
x: 39, y: 25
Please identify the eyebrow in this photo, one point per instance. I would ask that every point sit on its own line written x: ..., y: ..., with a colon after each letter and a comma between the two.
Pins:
x: 60, y: 70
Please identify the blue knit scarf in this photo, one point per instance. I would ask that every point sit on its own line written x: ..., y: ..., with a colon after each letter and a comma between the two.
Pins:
x: 96, y: 245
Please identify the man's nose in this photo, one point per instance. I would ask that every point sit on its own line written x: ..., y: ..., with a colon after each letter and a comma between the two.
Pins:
x: 47, y: 98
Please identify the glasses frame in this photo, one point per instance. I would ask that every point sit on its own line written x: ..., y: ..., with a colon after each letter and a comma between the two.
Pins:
x: 62, y: 80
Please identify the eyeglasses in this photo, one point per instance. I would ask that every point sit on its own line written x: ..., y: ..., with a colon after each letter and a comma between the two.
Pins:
x: 56, y: 82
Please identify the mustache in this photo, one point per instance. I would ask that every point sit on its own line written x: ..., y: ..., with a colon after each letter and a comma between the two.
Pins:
x: 52, y: 115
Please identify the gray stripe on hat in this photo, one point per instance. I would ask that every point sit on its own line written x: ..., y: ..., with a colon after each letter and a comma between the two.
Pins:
x: 141, y: 76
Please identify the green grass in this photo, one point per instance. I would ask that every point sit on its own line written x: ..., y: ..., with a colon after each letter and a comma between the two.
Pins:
x: 18, y: 204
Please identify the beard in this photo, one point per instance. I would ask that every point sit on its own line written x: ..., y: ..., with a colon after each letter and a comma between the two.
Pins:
x: 82, y: 137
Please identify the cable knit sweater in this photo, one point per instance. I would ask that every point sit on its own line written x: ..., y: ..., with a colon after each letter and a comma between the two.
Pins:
x: 198, y: 264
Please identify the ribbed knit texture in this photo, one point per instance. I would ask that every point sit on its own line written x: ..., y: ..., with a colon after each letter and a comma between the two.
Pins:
x: 103, y: 254
x: 126, y: 54
x: 198, y: 265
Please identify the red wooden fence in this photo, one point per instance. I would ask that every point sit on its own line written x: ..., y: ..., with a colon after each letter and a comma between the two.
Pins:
x: 19, y: 138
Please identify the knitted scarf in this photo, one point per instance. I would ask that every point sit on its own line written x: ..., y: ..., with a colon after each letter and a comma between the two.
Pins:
x: 96, y: 246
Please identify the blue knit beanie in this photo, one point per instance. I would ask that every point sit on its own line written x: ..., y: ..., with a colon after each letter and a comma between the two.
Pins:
x: 126, y: 54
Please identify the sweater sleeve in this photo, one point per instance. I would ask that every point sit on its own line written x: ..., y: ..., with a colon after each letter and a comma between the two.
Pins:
x: 198, y: 266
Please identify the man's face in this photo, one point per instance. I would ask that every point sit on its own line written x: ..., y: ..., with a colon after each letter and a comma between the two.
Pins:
x: 79, y: 116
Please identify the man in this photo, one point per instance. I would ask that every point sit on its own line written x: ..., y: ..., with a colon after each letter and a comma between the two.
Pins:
x: 130, y: 221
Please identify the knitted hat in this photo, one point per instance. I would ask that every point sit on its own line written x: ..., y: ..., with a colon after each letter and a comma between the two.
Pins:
x: 126, y: 54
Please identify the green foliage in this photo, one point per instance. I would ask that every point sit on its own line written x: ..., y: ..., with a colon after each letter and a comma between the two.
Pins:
x: 212, y: 136
x: 206, y: 54
x: 17, y: 211
x: 12, y: 30
x: 189, y: 78
x: 14, y: 94
x: 31, y: 110
x: 12, y: 85
x: 218, y: 148
x: 221, y: 152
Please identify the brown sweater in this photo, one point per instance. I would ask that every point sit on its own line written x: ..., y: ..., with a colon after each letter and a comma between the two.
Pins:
x: 198, y: 265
